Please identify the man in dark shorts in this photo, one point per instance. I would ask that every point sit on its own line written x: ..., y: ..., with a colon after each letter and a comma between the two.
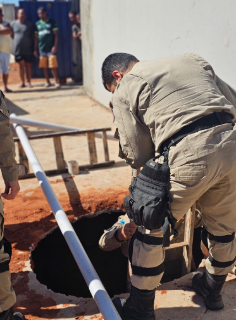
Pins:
x: 23, y: 46
x: 46, y: 41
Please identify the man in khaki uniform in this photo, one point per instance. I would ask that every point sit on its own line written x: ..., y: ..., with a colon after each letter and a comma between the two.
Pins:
x: 178, y: 99
x: 10, y: 175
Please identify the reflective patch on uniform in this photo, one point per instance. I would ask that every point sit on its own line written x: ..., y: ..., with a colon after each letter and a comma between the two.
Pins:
x: 110, y: 229
x: 122, y: 222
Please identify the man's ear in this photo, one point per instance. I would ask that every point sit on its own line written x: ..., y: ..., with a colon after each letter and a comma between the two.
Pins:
x: 117, y: 75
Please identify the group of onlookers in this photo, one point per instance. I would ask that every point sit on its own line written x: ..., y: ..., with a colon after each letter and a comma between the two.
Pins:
x: 76, y: 52
x: 40, y: 40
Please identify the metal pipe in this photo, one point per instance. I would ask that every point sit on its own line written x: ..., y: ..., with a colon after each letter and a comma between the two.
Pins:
x: 51, y: 126
x: 94, y: 283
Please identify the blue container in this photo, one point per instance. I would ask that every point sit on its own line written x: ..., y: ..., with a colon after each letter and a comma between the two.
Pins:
x: 57, y: 11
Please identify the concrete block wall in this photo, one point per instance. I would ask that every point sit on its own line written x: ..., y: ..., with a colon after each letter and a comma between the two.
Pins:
x: 156, y: 28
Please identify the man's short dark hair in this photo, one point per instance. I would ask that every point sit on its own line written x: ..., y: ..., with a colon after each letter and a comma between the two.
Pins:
x: 73, y: 12
x: 116, y: 61
x: 42, y: 9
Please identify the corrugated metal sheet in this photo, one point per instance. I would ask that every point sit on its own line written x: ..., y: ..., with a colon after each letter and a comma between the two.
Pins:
x: 59, y: 12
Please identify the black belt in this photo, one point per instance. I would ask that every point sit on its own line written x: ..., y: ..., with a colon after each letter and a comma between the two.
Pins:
x: 206, y: 122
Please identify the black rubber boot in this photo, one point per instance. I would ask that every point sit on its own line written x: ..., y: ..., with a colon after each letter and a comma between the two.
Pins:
x: 8, y: 315
x: 139, y: 305
x: 18, y: 316
x: 209, y: 287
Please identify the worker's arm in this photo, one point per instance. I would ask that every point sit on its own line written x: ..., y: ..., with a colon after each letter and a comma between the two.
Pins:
x: 130, y: 102
x: 120, y: 232
x: 55, y: 31
x: 54, y: 48
x: 77, y: 35
x: 8, y: 163
x: 36, y: 42
x: 6, y: 30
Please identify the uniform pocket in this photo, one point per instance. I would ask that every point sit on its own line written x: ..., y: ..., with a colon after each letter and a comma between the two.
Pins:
x: 190, y: 172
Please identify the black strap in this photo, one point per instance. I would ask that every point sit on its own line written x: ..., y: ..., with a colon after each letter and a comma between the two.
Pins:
x: 4, y: 266
x: 1, y: 243
x: 221, y: 239
x: 140, y: 271
x: 148, y: 239
x: 147, y: 272
x: 204, y: 234
x: 206, y: 122
x: 219, y: 264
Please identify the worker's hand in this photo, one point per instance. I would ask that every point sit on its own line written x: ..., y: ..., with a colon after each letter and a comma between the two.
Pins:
x: 11, y: 190
x: 54, y: 50
x: 36, y: 54
x: 80, y: 35
x: 126, y: 232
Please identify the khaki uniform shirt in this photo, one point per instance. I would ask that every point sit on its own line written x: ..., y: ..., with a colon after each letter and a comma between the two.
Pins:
x: 108, y: 240
x: 7, y: 147
x: 157, y: 98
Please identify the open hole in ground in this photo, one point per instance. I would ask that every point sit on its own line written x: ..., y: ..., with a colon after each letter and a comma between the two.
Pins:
x: 55, y: 266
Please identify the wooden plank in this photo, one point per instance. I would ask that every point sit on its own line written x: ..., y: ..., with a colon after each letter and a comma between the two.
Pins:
x: 22, y: 155
x: 188, y: 238
x: 92, y: 148
x: 65, y: 170
x: 64, y: 133
x: 59, y: 153
x: 176, y: 245
x: 105, y: 145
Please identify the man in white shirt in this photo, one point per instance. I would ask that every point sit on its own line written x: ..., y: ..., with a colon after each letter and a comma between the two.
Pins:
x: 5, y: 35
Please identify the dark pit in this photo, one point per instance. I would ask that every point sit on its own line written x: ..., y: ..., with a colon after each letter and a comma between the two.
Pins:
x: 55, y: 266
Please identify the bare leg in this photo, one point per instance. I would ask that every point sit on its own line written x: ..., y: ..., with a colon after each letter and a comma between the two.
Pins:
x: 28, y: 67
x: 22, y: 73
x: 55, y: 75
x: 4, y: 79
x: 46, y: 75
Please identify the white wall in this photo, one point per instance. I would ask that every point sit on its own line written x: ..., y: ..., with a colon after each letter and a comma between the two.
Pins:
x: 150, y: 29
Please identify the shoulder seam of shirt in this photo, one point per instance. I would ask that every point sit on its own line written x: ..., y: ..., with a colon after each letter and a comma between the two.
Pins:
x: 137, y: 76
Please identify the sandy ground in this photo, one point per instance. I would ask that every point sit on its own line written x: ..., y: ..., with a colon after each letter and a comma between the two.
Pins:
x: 28, y: 217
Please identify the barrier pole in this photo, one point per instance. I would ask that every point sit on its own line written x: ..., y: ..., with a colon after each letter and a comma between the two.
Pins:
x: 95, y: 285
x: 52, y: 126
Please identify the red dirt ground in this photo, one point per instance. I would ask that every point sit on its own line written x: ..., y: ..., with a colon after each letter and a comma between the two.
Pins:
x: 27, y: 219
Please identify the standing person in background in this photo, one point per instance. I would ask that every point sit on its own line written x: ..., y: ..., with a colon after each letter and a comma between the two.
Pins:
x: 23, y: 46
x: 76, y: 45
x: 9, y: 170
x: 46, y: 41
x: 5, y: 36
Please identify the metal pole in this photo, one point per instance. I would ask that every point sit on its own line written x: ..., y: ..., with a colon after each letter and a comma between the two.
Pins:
x: 51, y: 126
x: 94, y: 283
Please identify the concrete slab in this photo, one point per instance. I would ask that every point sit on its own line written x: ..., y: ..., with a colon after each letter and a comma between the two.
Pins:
x: 174, y: 301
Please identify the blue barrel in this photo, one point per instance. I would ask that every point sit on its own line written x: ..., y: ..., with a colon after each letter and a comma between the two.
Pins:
x: 57, y: 11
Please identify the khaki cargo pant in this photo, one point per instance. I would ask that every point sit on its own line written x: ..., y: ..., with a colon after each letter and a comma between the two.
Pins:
x: 7, y: 294
x: 212, y: 180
